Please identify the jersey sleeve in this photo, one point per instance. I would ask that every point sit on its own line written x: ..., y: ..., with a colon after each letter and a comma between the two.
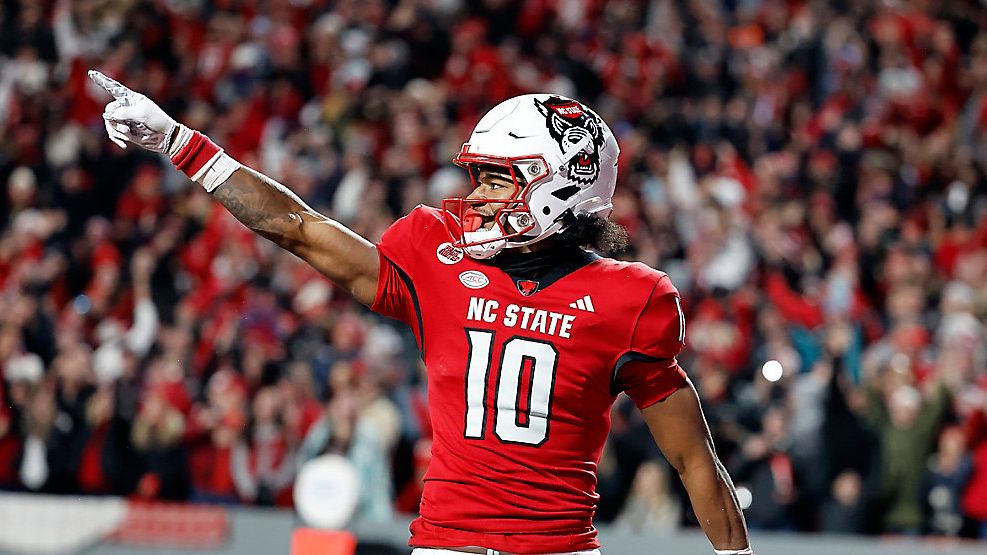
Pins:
x: 400, y: 250
x: 395, y: 297
x: 648, y: 371
x: 404, y: 242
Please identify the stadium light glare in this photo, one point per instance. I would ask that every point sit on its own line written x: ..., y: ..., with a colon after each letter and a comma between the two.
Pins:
x: 772, y: 370
x: 744, y: 497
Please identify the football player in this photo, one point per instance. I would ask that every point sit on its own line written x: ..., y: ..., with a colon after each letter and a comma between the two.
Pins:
x: 527, y: 336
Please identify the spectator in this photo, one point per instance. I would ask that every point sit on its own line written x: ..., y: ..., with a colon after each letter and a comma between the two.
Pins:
x: 843, y: 509
x: 93, y: 472
x: 22, y: 375
x: 767, y: 468
x: 974, y: 502
x: 852, y: 455
x: 66, y: 439
x: 108, y: 357
x: 215, y: 426
x: 9, y: 444
x: 156, y: 436
x: 347, y: 428
x: 907, y: 425
x: 651, y: 506
x: 948, y: 472
x: 39, y: 419
x: 263, y: 460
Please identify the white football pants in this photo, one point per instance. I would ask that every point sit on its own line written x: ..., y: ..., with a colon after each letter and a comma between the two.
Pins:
x: 428, y: 551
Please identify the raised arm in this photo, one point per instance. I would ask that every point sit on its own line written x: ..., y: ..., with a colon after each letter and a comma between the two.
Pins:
x: 273, y: 211
x: 262, y: 204
x: 679, y: 428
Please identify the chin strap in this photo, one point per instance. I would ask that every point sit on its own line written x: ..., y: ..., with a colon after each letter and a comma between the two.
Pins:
x: 484, y: 250
x: 566, y: 219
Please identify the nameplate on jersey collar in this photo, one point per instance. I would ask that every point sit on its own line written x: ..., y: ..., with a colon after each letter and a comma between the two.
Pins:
x: 527, y: 287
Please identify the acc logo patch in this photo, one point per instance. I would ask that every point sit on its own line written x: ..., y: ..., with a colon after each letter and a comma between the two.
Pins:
x: 448, y: 254
x: 474, y: 279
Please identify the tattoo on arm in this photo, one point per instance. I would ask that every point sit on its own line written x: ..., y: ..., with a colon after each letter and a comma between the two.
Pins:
x: 261, y: 203
x: 273, y: 211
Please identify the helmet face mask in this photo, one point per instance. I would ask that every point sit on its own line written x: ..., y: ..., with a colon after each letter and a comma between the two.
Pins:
x: 511, y: 221
x: 561, y: 158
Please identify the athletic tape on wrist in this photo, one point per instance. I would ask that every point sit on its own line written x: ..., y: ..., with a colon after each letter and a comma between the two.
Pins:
x: 216, y: 171
x: 196, y: 153
x: 182, y: 136
x: 201, y: 159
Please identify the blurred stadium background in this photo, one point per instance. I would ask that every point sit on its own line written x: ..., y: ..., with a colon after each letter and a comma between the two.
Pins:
x: 810, y: 173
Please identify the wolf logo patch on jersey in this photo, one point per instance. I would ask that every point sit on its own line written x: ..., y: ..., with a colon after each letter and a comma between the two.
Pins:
x: 568, y: 123
x: 527, y: 287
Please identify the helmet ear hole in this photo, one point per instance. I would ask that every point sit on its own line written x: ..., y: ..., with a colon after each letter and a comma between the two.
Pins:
x: 546, y: 211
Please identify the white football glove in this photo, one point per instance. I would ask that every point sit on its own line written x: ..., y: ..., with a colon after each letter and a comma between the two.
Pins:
x: 134, y: 118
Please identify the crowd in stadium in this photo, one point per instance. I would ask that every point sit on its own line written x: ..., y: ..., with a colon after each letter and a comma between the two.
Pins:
x: 811, y: 174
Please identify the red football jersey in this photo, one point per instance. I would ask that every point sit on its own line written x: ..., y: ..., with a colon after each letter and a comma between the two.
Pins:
x: 520, y: 385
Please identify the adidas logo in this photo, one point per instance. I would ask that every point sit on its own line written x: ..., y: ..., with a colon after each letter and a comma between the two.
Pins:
x: 584, y: 303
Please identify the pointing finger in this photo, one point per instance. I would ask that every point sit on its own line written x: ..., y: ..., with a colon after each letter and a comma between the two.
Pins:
x: 112, y: 86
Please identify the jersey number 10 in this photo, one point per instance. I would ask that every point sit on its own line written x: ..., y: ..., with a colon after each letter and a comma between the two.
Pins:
x: 526, y: 367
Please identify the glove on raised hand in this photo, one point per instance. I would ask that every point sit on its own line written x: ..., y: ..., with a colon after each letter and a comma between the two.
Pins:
x: 134, y: 118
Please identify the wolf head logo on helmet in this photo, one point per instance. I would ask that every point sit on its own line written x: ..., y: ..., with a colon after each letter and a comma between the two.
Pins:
x: 569, y: 124
x: 562, y: 158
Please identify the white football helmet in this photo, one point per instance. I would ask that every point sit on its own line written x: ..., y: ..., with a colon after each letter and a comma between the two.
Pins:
x: 562, y: 157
